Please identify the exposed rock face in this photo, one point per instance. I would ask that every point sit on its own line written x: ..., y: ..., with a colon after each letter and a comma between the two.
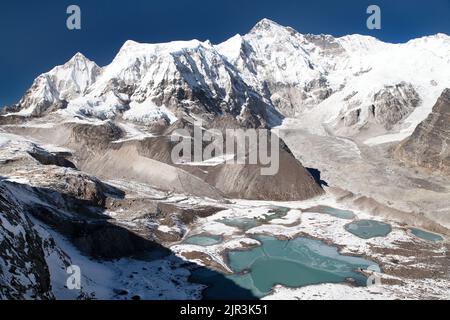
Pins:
x: 94, y: 136
x: 23, y: 269
x: 69, y: 201
x: 429, y: 145
x: 389, y: 107
x: 394, y: 103
x: 48, y: 158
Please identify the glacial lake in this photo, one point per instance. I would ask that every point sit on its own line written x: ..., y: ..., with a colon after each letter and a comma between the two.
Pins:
x: 367, y: 229
x: 425, y: 235
x: 338, y: 213
x: 203, y: 240
x: 292, y: 263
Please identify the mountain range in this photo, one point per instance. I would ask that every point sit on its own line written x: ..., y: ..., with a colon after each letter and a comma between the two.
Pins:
x: 353, y: 85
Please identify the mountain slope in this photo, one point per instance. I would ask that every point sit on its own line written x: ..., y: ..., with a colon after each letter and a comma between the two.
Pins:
x: 429, y: 145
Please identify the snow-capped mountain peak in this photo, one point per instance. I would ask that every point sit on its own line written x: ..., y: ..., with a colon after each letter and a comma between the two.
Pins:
x: 361, y: 44
x: 74, y: 77
x: 346, y: 82
x: 231, y: 48
x: 268, y: 26
x: 132, y: 48
x: 52, y: 90
x: 179, y: 77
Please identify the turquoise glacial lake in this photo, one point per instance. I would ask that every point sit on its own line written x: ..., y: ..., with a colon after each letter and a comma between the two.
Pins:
x: 425, y: 235
x: 367, y: 229
x: 292, y: 263
x: 338, y: 213
x: 203, y: 240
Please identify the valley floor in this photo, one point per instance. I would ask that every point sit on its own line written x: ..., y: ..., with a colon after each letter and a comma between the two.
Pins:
x: 365, y: 184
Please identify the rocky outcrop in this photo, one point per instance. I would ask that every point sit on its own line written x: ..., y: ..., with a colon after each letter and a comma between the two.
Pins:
x: 389, y: 106
x: 71, y: 204
x: 429, y: 145
x: 93, y: 135
x: 23, y: 270
x: 394, y: 103
x: 48, y: 158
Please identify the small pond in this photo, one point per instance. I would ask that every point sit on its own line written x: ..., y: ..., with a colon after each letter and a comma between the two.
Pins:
x: 367, y: 229
x: 338, y: 213
x: 203, y: 240
x: 425, y: 235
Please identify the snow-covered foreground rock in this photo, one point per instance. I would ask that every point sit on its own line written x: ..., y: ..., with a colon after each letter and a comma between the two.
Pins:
x: 51, y: 218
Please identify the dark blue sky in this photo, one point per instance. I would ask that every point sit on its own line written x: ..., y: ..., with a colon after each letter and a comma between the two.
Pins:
x: 34, y: 37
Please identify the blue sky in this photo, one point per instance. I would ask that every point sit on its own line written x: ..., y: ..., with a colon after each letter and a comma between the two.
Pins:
x: 34, y: 37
